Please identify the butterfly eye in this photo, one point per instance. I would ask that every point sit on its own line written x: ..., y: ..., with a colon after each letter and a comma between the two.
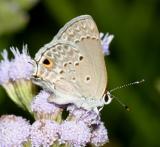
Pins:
x: 47, y: 63
x: 106, y: 98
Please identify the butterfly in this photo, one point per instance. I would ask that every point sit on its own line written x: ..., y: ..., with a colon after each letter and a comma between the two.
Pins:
x: 72, y: 66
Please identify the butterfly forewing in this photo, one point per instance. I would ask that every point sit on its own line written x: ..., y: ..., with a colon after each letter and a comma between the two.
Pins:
x: 91, y: 72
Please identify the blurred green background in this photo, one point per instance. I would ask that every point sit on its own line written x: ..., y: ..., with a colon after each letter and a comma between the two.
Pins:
x: 135, y: 55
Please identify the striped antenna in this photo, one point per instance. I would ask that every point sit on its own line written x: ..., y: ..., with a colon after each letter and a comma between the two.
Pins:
x: 120, y: 102
x: 119, y: 87
x: 127, y: 85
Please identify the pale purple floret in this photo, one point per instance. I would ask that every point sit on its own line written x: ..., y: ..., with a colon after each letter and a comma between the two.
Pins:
x: 4, y: 68
x: 75, y: 133
x: 44, y: 133
x: 88, y: 117
x: 41, y: 105
x: 21, y: 67
x: 106, y: 40
x: 99, y: 135
x: 14, y: 131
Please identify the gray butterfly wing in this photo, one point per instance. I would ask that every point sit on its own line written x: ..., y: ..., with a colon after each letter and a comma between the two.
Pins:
x: 91, y: 73
x: 78, y: 68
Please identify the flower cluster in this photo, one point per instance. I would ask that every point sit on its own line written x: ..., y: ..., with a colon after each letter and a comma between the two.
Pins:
x: 78, y: 128
x: 15, y: 76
